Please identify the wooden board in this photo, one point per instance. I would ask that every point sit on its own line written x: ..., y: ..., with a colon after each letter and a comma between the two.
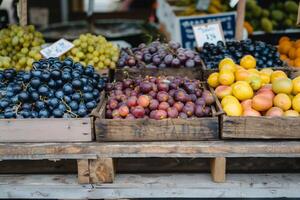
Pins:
x: 261, y: 127
x: 200, y: 149
x: 46, y: 130
x: 192, y: 73
x: 151, y: 186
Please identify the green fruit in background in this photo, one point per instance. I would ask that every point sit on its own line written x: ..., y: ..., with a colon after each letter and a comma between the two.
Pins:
x: 280, y: 5
x: 291, y: 6
x: 274, y: 23
x: 265, y: 13
x: 257, y: 12
x: 266, y: 25
x: 277, y: 15
x: 288, y: 22
x: 251, y: 4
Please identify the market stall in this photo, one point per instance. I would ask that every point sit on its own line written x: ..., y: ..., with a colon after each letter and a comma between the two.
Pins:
x: 203, y: 112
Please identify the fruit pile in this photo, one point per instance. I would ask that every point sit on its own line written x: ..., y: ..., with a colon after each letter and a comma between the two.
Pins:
x: 249, y: 92
x: 289, y: 51
x: 215, y: 6
x: 94, y: 50
x: 158, y: 98
x: 20, y: 47
x: 266, y: 55
x: 52, y: 88
x: 271, y: 15
x: 158, y: 55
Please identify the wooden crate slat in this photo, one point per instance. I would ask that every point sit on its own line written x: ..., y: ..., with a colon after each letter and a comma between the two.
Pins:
x: 218, y: 169
x: 102, y: 170
x: 46, y: 130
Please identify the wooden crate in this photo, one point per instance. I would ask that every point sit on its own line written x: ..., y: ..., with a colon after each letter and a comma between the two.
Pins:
x: 206, y: 128
x: 46, y: 130
x: 262, y: 127
x: 192, y: 73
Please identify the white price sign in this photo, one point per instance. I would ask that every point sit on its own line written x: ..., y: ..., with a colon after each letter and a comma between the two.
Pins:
x: 210, y: 32
x: 57, y: 49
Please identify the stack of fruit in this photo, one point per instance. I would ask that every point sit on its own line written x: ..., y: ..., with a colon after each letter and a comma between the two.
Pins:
x: 265, y: 54
x: 94, y: 50
x: 289, y: 51
x: 52, y: 89
x: 215, y: 6
x: 20, y: 47
x: 249, y: 92
x: 158, y: 55
x: 158, y: 98
x: 273, y: 15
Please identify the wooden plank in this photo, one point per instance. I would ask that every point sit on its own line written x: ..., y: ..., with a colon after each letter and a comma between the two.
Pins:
x: 157, y: 130
x: 83, y: 171
x: 240, y: 18
x: 208, y: 149
x: 261, y: 127
x: 102, y: 170
x: 46, y: 130
x: 151, y: 186
x: 218, y: 169
x: 23, y: 12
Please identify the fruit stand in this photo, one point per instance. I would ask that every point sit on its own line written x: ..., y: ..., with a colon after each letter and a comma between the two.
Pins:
x: 156, y: 120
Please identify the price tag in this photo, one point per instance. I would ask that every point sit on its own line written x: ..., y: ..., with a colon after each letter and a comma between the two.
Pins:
x: 210, y: 32
x: 57, y: 49
x: 232, y: 3
x: 202, y: 4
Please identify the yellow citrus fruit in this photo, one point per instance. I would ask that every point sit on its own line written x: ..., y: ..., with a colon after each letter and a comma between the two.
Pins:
x: 268, y: 71
x: 248, y: 62
x: 238, y: 67
x: 213, y: 80
x: 241, y: 75
x: 296, y: 85
x: 291, y: 113
x: 282, y: 85
x: 265, y: 78
x: 296, y: 103
x: 253, y: 71
x: 255, y: 82
x: 277, y: 74
x: 242, y: 90
x: 226, y: 77
x: 228, y: 99
x: 233, y: 109
x: 227, y: 63
x: 282, y: 101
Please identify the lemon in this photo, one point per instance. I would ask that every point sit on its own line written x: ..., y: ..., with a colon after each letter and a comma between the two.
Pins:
x: 296, y: 103
x: 227, y: 63
x: 255, y: 82
x: 233, y: 109
x: 226, y: 77
x: 291, y: 113
x: 242, y: 90
x: 268, y: 71
x: 229, y: 99
x: 213, y: 80
x: 265, y: 78
x: 282, y: 85
x: 277, y: 74
x: 248, y: 62
x: 296, y: 85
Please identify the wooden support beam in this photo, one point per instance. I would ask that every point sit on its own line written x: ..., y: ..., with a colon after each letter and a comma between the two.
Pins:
x: 83, y: 171
x: 23, y: 12
x: 240, y: 19
x: 102, y: 170
x: 218, y: 169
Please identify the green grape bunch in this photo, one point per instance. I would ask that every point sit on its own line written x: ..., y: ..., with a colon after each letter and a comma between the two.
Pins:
x: 19, y: 47
x: 94, y: 50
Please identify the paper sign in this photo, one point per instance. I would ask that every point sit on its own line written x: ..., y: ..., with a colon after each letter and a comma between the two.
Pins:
x: 298, y: 18
x: 202, y: 4
x: 57, y: 49
x: 209, y: 32
x: 232, y: 3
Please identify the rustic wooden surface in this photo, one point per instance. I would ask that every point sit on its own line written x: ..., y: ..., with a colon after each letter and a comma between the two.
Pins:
x: 151, y: 186
x: 240, y: 18
x: 218, y: 169
x: 23, y: 12
x: 157, y: 130
x: 261, y: 127
x: 92, y: 150
x: 102, y: 170
x: 192, y: 73
x: 46, y: 130
x: 83, y: 171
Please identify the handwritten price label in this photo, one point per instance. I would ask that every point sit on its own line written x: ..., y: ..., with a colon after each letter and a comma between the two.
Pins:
x: 209, y: 32
x: 57, y: 49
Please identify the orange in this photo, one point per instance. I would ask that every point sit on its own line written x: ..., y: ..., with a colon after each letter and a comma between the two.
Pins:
x: 297, y: 52
x: 248, y: 62
x: 292, y: 53
x: 283, y: 38
x: 297, y: 62
x: 297, y: 43
x: 284, y: 47
x: 283, y: 57
x: 291, y: 62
